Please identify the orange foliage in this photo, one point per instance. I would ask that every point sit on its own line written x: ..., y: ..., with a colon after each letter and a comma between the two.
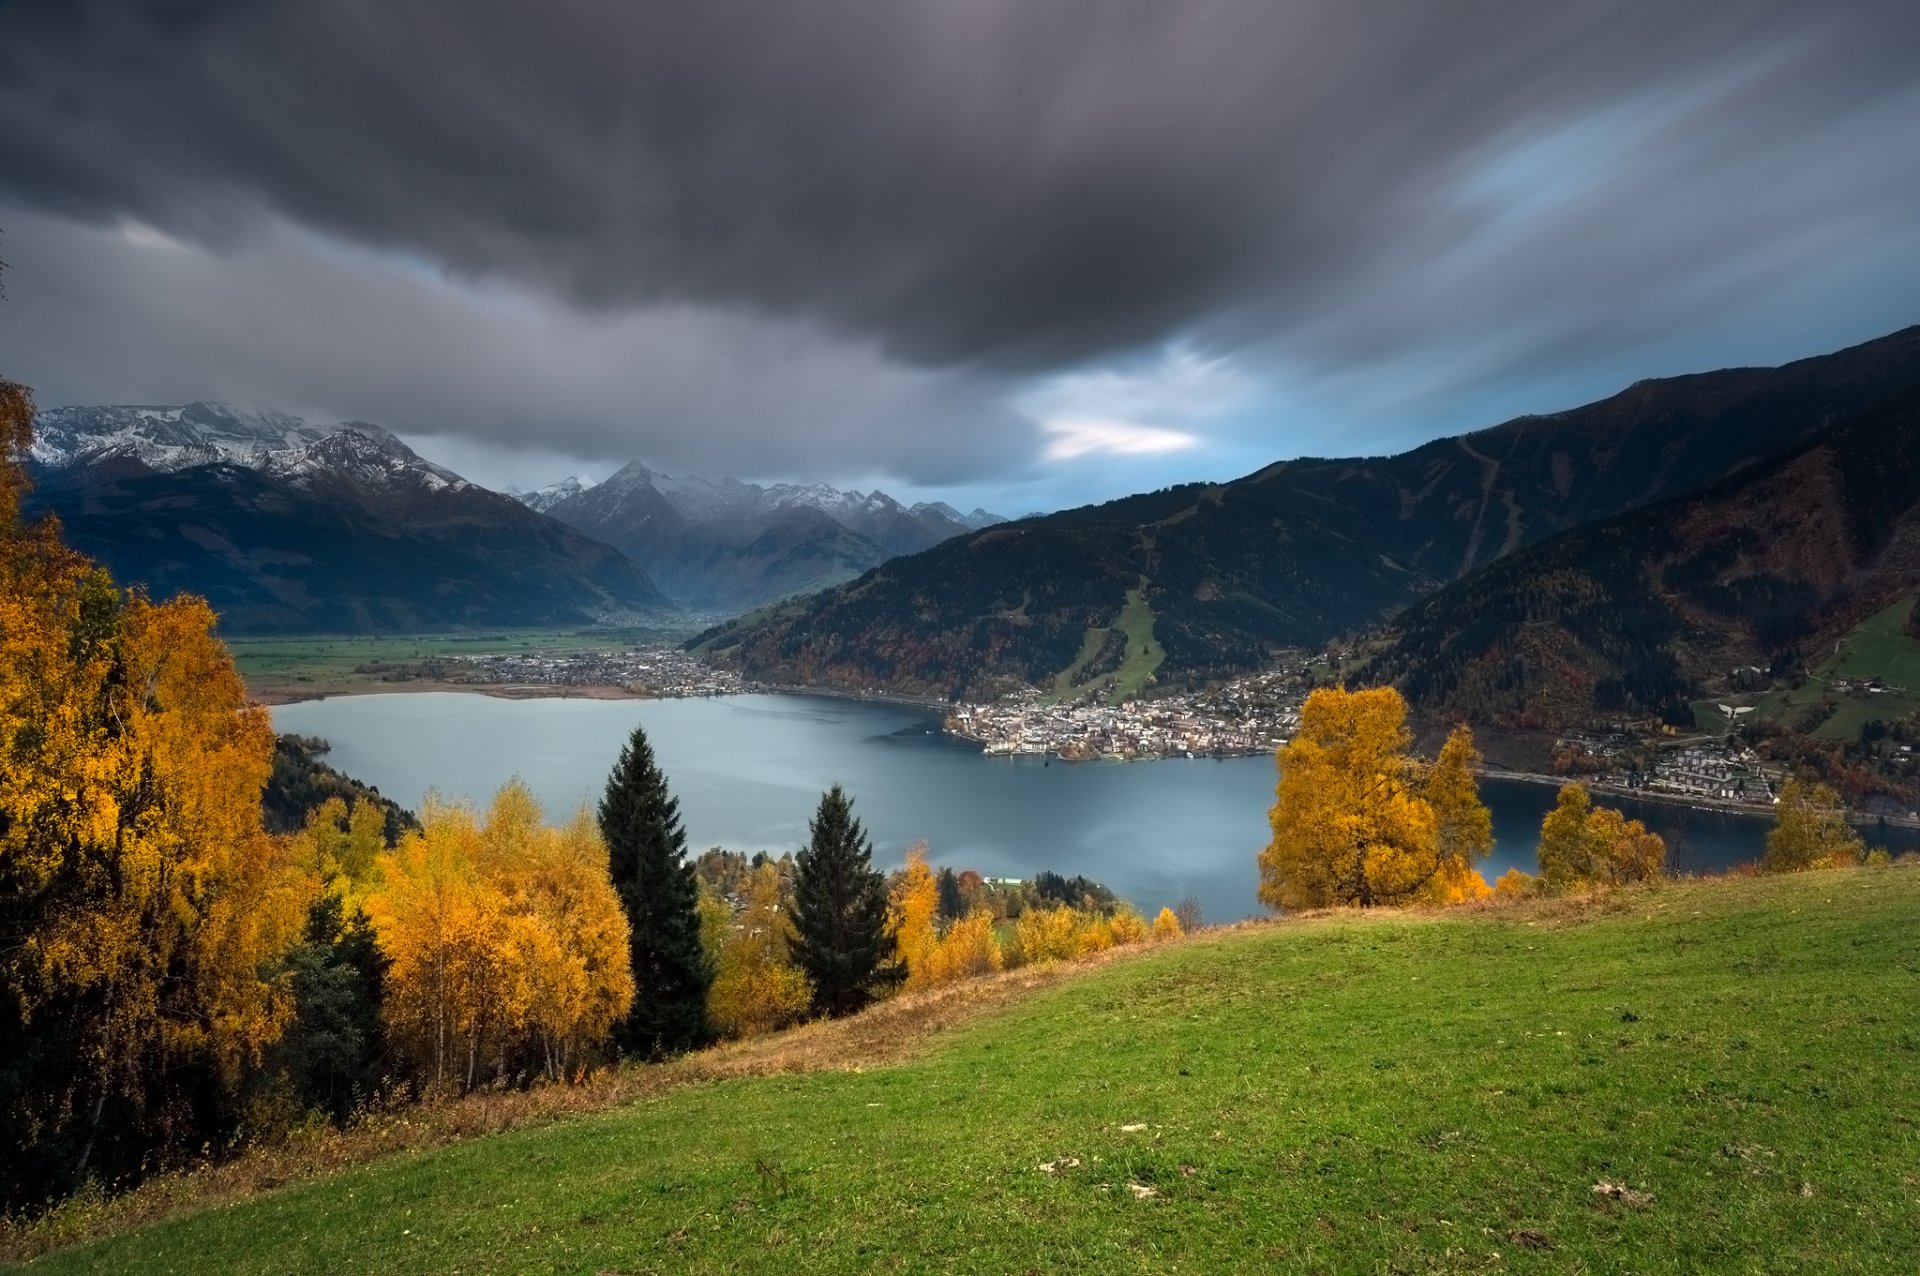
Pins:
x: 1062, y: 933
x: 911, y: 913
x: 149, y: 899
x: 508, y: 945
x: 1584, y: 846
x: 1516, y: 884
x: 756, y: 987
x: 1127, y: 926
x: 969, y: 948
x: 1166, y: 925
x: 1357, y: 821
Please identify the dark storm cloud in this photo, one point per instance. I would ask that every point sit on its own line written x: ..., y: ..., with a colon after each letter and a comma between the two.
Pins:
x: 975, y: 181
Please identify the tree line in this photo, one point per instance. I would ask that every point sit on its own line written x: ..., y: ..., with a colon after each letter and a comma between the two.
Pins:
x: 1358, y: 821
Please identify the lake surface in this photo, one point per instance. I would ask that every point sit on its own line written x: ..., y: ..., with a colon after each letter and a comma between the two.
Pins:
x: 749, y: 770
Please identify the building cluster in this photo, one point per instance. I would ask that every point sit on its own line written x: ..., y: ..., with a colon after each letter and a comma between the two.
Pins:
x: 1720, y: 771
x: 665, y: 672
x: 1250, y: 715
x: 1711, y: 770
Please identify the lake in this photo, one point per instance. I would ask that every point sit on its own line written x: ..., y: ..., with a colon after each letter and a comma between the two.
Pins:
x: 749, y: 770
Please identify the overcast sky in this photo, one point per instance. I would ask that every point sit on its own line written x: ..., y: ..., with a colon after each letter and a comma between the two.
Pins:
x: 1021, y: 254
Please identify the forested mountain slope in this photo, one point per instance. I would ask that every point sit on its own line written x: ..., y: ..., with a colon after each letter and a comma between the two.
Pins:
x: 1298, y: 552
x: 338, y: 552
x: 1630, y: 616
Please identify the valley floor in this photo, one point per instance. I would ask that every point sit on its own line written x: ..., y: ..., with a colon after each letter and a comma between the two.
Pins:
x: 1696, y: 1077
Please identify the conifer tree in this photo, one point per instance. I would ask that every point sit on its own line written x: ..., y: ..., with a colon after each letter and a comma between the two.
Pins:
x: 953, y: 905
x: 840, y: 912
x: 647, y: 851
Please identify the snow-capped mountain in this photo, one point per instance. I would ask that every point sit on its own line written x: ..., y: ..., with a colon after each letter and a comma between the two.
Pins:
x: 365, y: 454
x: 724, y: 543
x: 169, y: 437
x: 173, y: 438
x: 289, y: 526
x: 898, y: 527
x: 545, y: 498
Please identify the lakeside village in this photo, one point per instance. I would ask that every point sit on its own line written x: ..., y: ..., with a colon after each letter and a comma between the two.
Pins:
x: 1255, y: 715
x: 1249, y: 716
x: 665, y: 673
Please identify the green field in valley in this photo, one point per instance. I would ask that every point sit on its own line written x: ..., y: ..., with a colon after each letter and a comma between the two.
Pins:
x: 1693, y: 1077
x: 1877, y: 649
x: 320, y: 663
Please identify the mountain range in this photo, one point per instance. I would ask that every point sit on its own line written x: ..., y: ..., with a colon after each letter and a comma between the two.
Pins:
x: 290, y: 527
x: 724, y: 545
x: 1207, y: 580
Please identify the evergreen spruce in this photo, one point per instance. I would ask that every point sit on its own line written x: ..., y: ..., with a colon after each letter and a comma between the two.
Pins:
x: 953, y: 906
x: 840, y: 912
x: 647, y: 848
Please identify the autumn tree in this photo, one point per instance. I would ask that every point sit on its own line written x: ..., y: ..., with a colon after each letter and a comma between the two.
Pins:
x: 341, y: 845
x: 1127, y: 926
x: 1516, y: 883
x: 506, y: 943
x: 439, y: 924
x: 144, y: 911
x: 1584, y: 846
x: 756, y: 987
x: 640, y: 821
x: 1166, y: 925
x: 1810, y: 830
x: 1047, y: 934
x: 840, y: 912
x: 969, y: 948
x: 1357, y: 820
x: 575, y: 974
x: 912, y: 913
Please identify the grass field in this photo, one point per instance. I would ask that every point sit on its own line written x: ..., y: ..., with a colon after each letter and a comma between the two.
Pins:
x: 1142, y: 655
x: 1736, y: 1064
x: 321, y: 663
x: 1877, y: 648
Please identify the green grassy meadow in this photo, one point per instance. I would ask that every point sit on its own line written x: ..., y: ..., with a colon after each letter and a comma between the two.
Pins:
x: 1879, y: 647
x: 1390, y: 1093
x: 1143, y: 655
x: 321, y: 663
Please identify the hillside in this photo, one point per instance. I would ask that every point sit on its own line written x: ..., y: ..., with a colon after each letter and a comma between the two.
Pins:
x: 1298, y: 552
x: 1348, y: 1093
x: 1639, y: 615
x: 348, y: 532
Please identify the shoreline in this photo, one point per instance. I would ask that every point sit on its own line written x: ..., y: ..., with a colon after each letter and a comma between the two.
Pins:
x: 1716, y: 806
x: 275, y: 694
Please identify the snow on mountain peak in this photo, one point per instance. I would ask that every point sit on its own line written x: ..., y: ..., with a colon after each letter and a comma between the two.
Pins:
x: 178, y: 437
x: 545, y: 498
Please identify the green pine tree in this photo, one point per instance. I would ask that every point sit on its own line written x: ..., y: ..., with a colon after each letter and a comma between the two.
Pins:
x: 840, y: 912
x: 647, y: 847
x: 953, y: 906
